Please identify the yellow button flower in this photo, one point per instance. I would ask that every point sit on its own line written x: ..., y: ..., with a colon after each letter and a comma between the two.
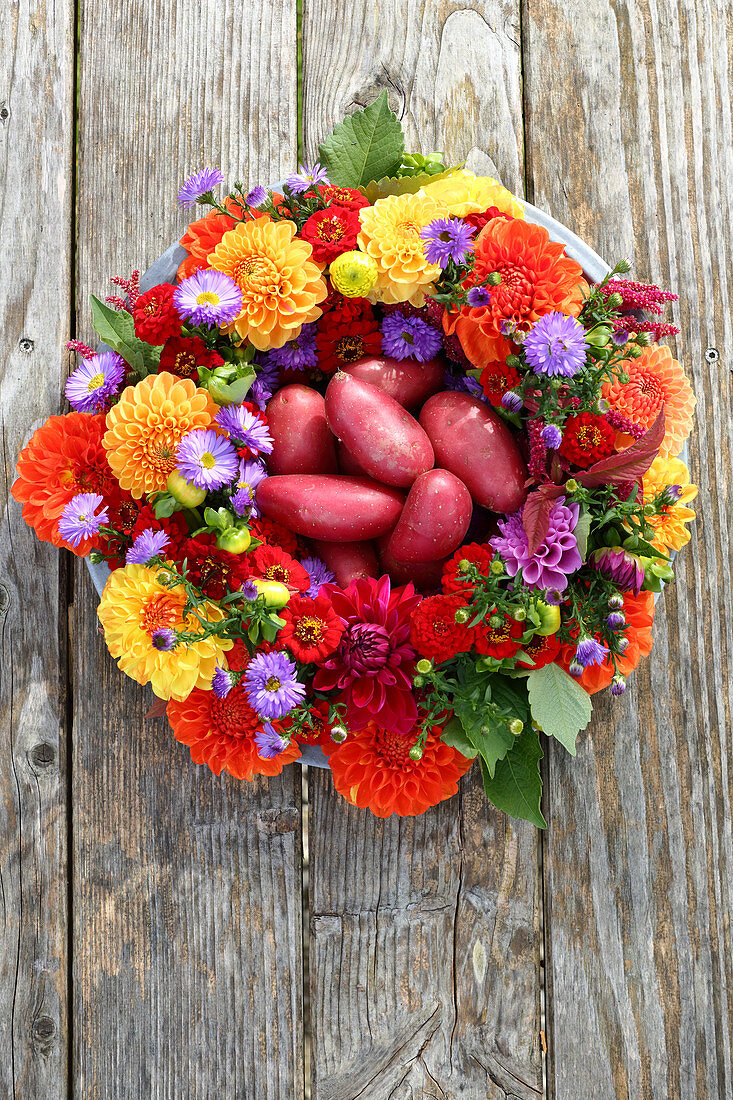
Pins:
x: 464, y: 193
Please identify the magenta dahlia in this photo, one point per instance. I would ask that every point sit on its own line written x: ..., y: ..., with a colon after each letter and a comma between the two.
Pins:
x: 374, y: 664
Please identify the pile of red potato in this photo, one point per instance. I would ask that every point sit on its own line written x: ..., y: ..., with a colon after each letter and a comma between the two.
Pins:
x: 379, y: 490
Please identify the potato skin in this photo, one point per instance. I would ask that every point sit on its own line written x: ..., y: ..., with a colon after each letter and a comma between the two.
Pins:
x: 331, y: 507
x: 426, y: 575
x: 347, y: 462
x: 302, y: 441
x: 379, y: 433
x: 434, y: 520
x: 408, y: 382
x: 476, y: 445
x: 348, y: 561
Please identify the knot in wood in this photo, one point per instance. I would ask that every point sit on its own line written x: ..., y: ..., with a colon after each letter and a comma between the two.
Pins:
x: 43, y: 755
x: 44, y: 1032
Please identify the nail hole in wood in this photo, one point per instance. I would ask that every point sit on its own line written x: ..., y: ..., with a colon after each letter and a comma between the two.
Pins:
x: 4, y: 112
x: 26, y: 345
x: 712, y: 355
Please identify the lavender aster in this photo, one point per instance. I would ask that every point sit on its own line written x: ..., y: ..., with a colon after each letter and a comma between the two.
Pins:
x: 464, y: 383
x: 447, y: 239
x: 409, y: 338
x: 272, y: 686
x: 590, y: 652
x: 206, y: 459
x: 250, y: 476
x: 556, y: 345
x: 555, y: 558
x: 306, y: 178
x: 266, y: 382
x: 256, y: 197
x: 551, y: 436
x: 249, y: 590
x: 208, y: 297
x: 269, y: 742
x: 94, y: 381
x: 298, y: 354
x: 222, y: 682
x: 478, y: 297
x: 146, y: 546
x: 198, y: 185
x: 319, y: 574
x: 245, y: 428
x: 80, y: 519
x: 618, y: 685
x: 164, y: 639
x: 512, y: 401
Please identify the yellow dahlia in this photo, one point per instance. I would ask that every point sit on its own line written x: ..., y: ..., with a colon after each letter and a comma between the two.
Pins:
x: 390, y: 234
x: 146, y: 426
x: 140, y: 617
x: 670, y: 532
x: 655, y: 380
x: 280, y: 282
x: 464, y: 193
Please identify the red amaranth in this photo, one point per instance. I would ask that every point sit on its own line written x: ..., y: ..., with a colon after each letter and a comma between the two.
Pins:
x: 537, y: 450
x: 623, y: 424
x: 81, y: 349
x: 644, y: 296
x: 658, y: 329
x: 131, y: 287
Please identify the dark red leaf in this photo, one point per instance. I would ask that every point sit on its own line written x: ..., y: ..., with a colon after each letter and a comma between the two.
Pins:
x: 536, y: 514
x: 627, y: 465
x: 156, y: 708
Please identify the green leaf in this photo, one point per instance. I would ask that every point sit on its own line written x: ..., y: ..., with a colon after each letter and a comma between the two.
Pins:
x: 165, y: 505
x: 366, y: 146
x: 493, y: 740
x: 516, y: 786
x: 559, y: 705
x: 581, y: 532
x: 402, y: 185
x: 455, y: 736
x: 117, y: 328
x: 511, y: 697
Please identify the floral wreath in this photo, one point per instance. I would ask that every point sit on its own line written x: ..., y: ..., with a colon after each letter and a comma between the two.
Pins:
x: 379, y: 472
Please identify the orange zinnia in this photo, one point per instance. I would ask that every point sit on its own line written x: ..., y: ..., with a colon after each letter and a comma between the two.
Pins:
x: 655, y: 380
x: 639, y: 615
x: 202, y: 236
x: 146, y: 426
x: 536, y: 278
x: 372, y: 769
x: 64, y: 457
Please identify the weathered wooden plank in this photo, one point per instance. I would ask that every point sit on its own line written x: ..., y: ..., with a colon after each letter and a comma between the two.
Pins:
x: 629, y: 136
x: 425, y: 943
x: 187, y: 889
x: 36, y: 113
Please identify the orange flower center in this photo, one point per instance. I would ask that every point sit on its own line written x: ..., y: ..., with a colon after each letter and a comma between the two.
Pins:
x: 350, y: 348
x: 160, y: 452
x: 256, y: 275
x: 393, y: 748
x: 160, y: 612
x: 589, y: 436
x: 277, y: 572
x: 185, y: 364
x: 232, y: 715
x: 513, y: 296
x: 310, y: 629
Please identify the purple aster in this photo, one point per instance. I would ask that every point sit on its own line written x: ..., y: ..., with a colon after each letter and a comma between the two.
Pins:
x: 575, y: 669
x: 164, y: 639
x: 250, y: 475
x: 618, y: 685
x: 269, y: 742
x: 555, y: 558
x: 297, y: 354
x: 319, y: 574
x: 92, y: 383
x: 464, y: 383
x: 512, y: 401
x: 146, y: 546
x: 556, y: 344
x: 306, y: 178
x: 246, y: 428
x: 222, y: 682
x: 256, y: 197
x: 551, y: 436
x: 478, y: 297
x: 272, y: 686
x: 249, y: 590
x: 206, y: 459
x: 266, y: 382
x: 620, y: 566
x: 199, y: 184
x: 208, y: 297
x: 590, y: 652
x: 615, y: 620
x: 447, y: 239
x: 80, y: 519
x: 409, y: 338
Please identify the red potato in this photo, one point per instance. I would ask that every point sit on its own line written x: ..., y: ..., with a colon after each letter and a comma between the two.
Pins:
x: 330, y: 507
x: 408, y: 382
x: 476, y: 445
x: 425, y: 575
x: 348, y: 561
x: 379, y: 433
x: 347, y: 462
x: 302, y: 442
x: 434, y: 520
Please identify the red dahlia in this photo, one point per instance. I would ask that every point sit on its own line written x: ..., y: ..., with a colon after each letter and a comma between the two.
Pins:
x: 331, y: 232
x: 155, y: 316
x: 434, y: 631
x: 312, y: 629
x: 273, y: 564
x: 587, y: 439
x: 496, y: 379
x: 473, y: 552
x: 183, y: 355
x: 499, y: 642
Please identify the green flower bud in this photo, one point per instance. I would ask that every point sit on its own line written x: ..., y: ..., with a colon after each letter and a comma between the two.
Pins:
x: 497, y: 567
x: 622, y: 267
x: 424, y: 666
x: 464, y: 565
x: 516, y: 726
x: 599, y: 336
x: 95, y: 557
x: 339, y: 734
x: 513, y: 362
x: 634, y: 351
x: 519, y: 615
x: 571, y: 485
x: 644, y: 339
x: 495, y: 622
x: 416, y: 752
x: 493, y: 279
x: 418, y: 681
x: 615, y: 300
x: 462, y: 615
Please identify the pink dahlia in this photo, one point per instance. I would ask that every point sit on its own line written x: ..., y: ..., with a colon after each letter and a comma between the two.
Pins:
x: 555, y: 558
x: 374, y: 663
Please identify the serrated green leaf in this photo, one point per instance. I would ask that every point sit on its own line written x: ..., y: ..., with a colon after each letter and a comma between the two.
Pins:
x: 455, y: 736
x: 581, y: 532
x: 559, y: 705
x: 511, y: 697
x: 117, y: 328
x: 366, y: 146
x: 165, y: 505
x: 493, y: 740
x: 516, y: 786
x: 402, y: 185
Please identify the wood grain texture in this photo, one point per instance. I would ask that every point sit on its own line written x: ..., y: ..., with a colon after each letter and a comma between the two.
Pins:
x: 424, y: 933
x: 187, y: 888
x: 36, y: 100
x: 629, y: 135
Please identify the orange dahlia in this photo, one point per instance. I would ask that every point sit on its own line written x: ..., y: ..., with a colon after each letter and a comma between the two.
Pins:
x: 63, y: 457
x: 536, y: 278
x: 141, y: 616
x: 639, y: 615
x: 146, y: 426
x: 390, y: 234
x: 202, y: 236
x: 670, y: 532
x: 372, y: 769
x: 464, y: 193
x: 281, y: 284
x: 655, y: 380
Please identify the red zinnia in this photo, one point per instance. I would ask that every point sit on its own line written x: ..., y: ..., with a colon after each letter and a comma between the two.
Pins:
x: 501, y: 641
x: 434, y: 631
x: 587, y: 439
x: 343, y: 338
x: 480, y: 220
x: 373, y: 770
x: 212, y: 570
x: 155, y: 316
x: 316, y: 730
x: 183, y: 355
x: 331, y: 232
x: 496, y: 379
x: 312, y: 629
x: 133, y: 522
x: 473, y: 552
x: 273, y: 533
x: 348, y: 197
x: 273, y: 564
x: 542, y: 649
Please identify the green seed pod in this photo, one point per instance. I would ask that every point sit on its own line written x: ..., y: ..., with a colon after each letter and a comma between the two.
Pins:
x: 416, y: 752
